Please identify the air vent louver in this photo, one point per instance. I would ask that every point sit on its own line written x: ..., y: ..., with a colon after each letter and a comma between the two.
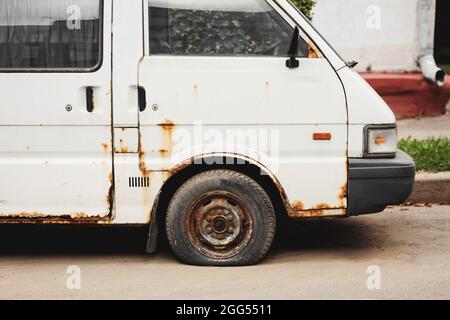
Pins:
x: 139, y: 182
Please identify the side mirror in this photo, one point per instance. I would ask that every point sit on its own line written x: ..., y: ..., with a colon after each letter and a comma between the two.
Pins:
x: 352, y: 64
x: 293, y: 62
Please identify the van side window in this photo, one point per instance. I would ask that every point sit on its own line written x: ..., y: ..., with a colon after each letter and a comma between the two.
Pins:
x: 213, y: 27
x: 50, y: 34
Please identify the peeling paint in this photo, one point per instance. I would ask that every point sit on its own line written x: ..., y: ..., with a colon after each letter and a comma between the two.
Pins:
x: 43, y: 218
x: 105, y: 146
x: 312, y: 54
x: 168, y: 128
x: 297, y: 206
x: 164, y: 153
x: 142, y: 163
x: 342, y: 197
x: 109, y: 199
x: 321, y: 210
x: 167, y: 124
x: 143, y: 167
x: 322, y: 206
x: 317, y: 213
x: 146, y: 173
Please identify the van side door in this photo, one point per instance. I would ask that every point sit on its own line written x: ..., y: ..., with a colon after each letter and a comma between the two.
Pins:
x: 55, y: 109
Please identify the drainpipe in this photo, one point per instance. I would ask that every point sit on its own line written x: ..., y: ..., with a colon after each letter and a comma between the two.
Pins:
x: 427, y: 20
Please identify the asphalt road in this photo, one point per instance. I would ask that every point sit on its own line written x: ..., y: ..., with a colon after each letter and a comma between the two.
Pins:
x: 405, y: 250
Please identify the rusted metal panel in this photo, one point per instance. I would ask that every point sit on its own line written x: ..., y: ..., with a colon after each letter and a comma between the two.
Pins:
x: 317, y: 213
x: 343, y: 196
x: 42, y: 218
x: 297, y: 209
x: 56, y: 172
x: 168, y: 127
x: 142, y: 162
x: 105, y: 147
x: 126, y: 140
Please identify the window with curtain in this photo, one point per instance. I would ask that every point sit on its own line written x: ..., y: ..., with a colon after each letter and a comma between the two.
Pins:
x: 50, y: 34
x: 219, y: 27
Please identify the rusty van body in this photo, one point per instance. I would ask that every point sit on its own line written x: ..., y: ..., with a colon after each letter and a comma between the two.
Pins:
x: 184, y: 114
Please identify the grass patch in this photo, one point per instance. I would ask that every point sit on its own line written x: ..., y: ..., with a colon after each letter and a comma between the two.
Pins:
x: 432, y: 155
x: 446, y: 68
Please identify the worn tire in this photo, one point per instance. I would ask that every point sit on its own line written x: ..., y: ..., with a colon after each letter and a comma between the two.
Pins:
x: 252, y: 221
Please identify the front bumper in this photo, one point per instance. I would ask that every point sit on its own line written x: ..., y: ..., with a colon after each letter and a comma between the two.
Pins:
x: 375, y: 184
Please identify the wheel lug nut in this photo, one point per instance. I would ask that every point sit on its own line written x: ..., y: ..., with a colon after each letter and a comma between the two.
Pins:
x: 229, y: 218
x: 230, y: 230
x: 208, y: 230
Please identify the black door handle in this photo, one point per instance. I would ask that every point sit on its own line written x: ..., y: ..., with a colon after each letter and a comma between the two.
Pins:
x: 90, y: 99
x: 142, y: 99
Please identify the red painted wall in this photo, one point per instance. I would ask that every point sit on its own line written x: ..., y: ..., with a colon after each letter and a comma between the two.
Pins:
x: 410, y: 95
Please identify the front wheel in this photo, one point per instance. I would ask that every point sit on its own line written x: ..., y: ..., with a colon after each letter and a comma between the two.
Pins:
x: 220, y: 218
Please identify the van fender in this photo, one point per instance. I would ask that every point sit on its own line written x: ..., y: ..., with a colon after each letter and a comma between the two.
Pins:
x: 214, y: 158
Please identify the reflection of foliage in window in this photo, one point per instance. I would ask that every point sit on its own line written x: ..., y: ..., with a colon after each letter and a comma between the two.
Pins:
x: 305, y: 6
x: 227, y: 33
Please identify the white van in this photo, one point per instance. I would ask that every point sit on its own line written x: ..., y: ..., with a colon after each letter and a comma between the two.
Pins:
x: 211, y: 118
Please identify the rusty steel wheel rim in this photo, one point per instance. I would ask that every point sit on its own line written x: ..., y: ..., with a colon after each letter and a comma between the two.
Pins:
x: 218, y: 225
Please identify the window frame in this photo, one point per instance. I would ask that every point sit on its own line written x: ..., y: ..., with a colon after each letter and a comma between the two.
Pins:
x: 70, y: 70
x: 311, y: 45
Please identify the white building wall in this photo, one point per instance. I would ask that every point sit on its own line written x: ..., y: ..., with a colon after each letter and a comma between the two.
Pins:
x: 382, y: 35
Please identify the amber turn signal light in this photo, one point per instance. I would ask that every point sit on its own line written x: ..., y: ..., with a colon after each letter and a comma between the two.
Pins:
x: 322, y: 136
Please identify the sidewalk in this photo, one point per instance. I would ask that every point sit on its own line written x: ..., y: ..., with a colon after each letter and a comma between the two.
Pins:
x: 429, y: 187
x: 425, y: 127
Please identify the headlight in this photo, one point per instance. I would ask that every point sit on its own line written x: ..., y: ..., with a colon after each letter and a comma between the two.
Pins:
x: 380, y: 141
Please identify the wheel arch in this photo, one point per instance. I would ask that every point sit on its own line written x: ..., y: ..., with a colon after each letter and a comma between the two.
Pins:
x: 195, y: 165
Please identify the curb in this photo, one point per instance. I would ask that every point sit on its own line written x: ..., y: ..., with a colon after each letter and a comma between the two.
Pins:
x: 431, y: 188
